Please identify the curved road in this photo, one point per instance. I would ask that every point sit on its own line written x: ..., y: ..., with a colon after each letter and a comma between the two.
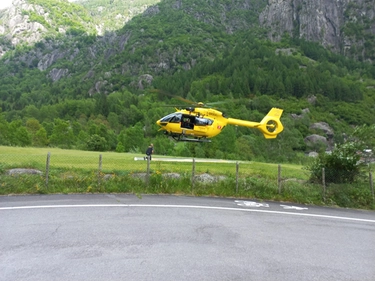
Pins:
x: 123, y: 237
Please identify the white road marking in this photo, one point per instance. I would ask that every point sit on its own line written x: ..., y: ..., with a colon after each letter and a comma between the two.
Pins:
x: 293, y: 208
x: 185, y: 206
x: 251, y: 204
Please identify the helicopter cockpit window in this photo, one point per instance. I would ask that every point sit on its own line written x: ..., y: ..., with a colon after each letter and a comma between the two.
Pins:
x: 176, y: 118
x: 203, y: 121
x: 168, y: 118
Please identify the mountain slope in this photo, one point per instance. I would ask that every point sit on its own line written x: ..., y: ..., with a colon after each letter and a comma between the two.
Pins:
x: 202, y: 50
x: 168, y: 36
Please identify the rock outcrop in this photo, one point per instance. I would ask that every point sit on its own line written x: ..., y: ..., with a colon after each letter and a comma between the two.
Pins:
x: 315, y: 139
x: 324, y: 127
x: 323, y: 21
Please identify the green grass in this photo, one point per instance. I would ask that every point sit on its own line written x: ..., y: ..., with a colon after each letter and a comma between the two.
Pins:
x: 20, y: 157
x: 74, y: 171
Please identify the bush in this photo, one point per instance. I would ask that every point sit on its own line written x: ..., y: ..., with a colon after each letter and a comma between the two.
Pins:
x: 96, y: 143
x: 341, y: 166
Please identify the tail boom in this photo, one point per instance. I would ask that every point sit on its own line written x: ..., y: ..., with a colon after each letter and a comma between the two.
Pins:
x: 270, y: 126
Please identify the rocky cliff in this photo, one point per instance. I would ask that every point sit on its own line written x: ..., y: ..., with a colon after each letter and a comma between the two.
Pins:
x: 345, y: 26
x: 28, y: 22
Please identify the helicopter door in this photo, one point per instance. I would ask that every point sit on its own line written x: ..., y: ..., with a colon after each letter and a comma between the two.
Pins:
x: 187, y: 122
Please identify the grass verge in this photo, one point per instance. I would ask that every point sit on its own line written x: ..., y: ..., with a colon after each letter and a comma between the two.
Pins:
x: 72, y: 171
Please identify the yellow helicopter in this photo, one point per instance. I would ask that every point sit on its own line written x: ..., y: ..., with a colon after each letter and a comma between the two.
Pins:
x: 199, y: 124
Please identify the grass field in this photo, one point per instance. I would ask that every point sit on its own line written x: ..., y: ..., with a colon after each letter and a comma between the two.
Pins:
x: 20, y: 157
x: 74, y: 171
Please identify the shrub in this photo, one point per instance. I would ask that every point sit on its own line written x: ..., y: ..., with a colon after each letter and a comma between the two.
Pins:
x: 341, y: 166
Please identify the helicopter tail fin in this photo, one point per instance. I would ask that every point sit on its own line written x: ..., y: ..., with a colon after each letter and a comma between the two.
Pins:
x: 271, y: 125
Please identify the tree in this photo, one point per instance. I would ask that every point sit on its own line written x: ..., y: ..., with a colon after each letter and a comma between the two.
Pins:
x: 33, y: 126
x: 343, y: 165
x: 4, y: 131
x: 96, y: 143
x: 365, y: 137
x: 82, y: 140
x: 244, y: 149
x: 40, y: 138
x: 18, y: 135
x: 120, y: 147
x: 22, y: 137
x: 62, y: 134
x: 133, y: 139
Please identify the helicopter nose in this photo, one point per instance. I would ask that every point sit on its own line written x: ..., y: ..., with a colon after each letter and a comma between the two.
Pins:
x: 158, y: 122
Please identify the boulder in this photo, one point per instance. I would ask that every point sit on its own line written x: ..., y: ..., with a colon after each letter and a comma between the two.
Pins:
x: 323, y: 126
x: 315, y: 139
x: 20, y: 171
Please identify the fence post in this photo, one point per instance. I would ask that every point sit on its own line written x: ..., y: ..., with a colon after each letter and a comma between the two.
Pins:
x: 279, y: 178
x: 193, y: 176
x: 47, y: 167
x: 100, y: 168
x: 324, y: 184
x: 148, y: 171
x: 237, y: 168
x: 372, y: 187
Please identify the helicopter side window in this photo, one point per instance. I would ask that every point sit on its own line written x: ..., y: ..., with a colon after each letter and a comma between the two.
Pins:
x: 187, y: 122
x: 203, y: 121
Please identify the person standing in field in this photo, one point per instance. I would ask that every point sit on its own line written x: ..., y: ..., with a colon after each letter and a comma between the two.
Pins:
x: 149, y: 151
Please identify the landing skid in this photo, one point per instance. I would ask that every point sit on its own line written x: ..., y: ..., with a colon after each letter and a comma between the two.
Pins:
x: 183, y: 138
x: 194, y: 140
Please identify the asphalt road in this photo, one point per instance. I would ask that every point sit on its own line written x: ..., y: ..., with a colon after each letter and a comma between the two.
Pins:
x: 123, y: 237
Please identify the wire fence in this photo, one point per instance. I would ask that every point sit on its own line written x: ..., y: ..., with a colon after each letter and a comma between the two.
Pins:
x: 117, y: 172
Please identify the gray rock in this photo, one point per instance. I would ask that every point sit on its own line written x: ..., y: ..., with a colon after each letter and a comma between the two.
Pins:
x: 324, y: 127
x: 56, y: 74
x: 315, y: 139
x: 305, y: 111
x: 147, y: 78
x: 108, y: 176
x: 172, y: 175
x: 207, y: 178
x: 320, y: 21
x: 20, y: 171
x: 317, y: 20
x: 313, y: 154
x: 312, y: 99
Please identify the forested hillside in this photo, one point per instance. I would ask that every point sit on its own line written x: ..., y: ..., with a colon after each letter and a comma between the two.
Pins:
x: 92, y: 86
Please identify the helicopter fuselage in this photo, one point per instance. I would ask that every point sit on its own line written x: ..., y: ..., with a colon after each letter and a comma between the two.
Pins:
x: 200, y: 123
x: 197, y: 124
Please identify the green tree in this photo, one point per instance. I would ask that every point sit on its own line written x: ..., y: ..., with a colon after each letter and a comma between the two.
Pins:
x: 341, y: 166
x: 4, y: 131
x: 18, y: 134
x: 62, y: 134
x: 96, y: 143
x: 40, y: 138
x: 82, y: 140
x: 133, y: 139
x: 120, y: 147
x: 23, y: 137
x: 243, y: 148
